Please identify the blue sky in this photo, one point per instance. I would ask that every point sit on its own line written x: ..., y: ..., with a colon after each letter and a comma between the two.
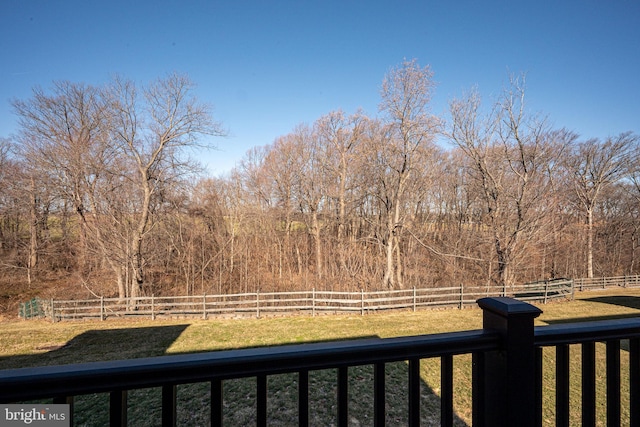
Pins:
x: 267, y: 66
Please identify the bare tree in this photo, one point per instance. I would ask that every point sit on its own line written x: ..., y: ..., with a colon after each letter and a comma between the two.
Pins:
x: 634, y: 209
x: 310, y: 191
x: 64, y: 134
x: 6, y: 166
x: 16, y: 211
x: 253, y: 179
x: 595, y: 165
x: 350, y: 201
x: 152, y: 130
x: 112, y: 152
x: 339, y: 137
x: 408, y: 134
x: 513, y: 156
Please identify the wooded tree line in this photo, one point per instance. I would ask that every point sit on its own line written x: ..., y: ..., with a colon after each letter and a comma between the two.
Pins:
x: 98, y: 190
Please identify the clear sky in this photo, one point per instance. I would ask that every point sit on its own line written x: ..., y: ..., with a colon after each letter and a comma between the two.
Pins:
x: 267, y: 66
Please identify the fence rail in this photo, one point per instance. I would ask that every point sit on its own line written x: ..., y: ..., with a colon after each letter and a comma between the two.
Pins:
x: 311, y: 302
x: 586, y: 284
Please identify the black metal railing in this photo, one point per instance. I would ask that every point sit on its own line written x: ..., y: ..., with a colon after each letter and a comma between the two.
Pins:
x: 506, y: 377
x: 587, y: 334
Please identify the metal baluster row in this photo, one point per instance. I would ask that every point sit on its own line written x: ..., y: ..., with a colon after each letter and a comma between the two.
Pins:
x: 118, y: 399
x: 588, y: 378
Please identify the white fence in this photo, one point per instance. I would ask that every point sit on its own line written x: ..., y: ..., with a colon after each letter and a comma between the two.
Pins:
x: 259, y: 304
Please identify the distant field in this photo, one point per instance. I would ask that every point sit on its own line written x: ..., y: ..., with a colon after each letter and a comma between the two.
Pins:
x: 36, y: 342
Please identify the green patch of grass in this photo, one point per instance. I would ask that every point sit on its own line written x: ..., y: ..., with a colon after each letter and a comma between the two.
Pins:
x: 35, y: 343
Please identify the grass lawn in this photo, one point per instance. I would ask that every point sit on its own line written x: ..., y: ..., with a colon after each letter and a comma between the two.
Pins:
x: 35, y: 343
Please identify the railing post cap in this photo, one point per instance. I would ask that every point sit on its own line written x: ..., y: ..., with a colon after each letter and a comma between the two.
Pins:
x: 504, y: 306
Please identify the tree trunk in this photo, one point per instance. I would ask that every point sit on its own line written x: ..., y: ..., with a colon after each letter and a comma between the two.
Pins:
x: 590, y: 242
x: 137, y: 259
x: 389, y: 276
x: 33, y: 228
x: 399, y: 268
x: 342, y: 209
x: 315, y: 227
x: 122, y: 289
x: 503, y: 266
x: 137, y: 281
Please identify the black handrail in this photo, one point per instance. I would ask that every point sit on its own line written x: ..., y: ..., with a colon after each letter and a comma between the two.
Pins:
x: 591, y: 331
x: 96, y: 377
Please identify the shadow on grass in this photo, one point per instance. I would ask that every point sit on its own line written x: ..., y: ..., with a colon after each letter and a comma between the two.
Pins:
x: 101, y: 345
x: 194, y: 400
x: 619, y: 300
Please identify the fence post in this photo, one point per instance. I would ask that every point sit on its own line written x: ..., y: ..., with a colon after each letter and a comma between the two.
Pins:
x: 204, y: 307
x: 313, y: 302
x: 102, y: 307
x: 53, y: 312
x: 153, y: 307
x: 414, y: 299
x: 461, y: 296
x: 573, y: 289
x: 507, y: 378
x: 546, y: 291
x: 361, y: 302
x: 258, y: 303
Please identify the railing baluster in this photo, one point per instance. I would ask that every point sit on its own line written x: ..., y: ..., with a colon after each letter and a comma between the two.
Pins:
x: 169, y: 413
x: 538, y: 385
x: 118, y: 408
x: 343, y: 396
x: 613, y: 383
x: 478, y: 389
x: 216, y: 402
x: 414, y: 392
x: 303, y: 398
x: 589, y: 384
x: 634, y: 378
x: 261, y: 401
x: 446, y: 390
x: 379, y: 395
x: 562, y: 385
x: 66, y: 400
